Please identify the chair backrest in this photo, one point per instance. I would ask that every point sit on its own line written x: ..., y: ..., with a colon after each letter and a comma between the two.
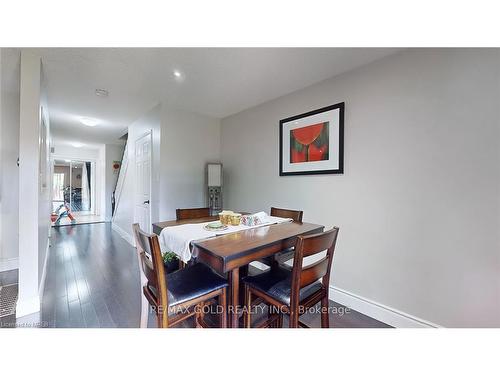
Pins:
x: 305, y: 247
x: 288, y: 214
x: 151, y: 263
x: 192, y: 213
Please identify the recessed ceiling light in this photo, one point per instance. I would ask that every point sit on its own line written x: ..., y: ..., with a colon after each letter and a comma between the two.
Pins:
x: 76, y: 144
x: 178, y: 75
x: 88, y: 121
x: 102, y: 92
x: 68, y: 161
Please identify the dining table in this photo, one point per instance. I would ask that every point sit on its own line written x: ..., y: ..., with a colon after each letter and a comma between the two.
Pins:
x: 228, y: 253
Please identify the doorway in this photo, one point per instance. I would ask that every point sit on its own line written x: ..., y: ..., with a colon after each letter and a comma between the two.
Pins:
x: 73, y: 192
x: 143, y: 182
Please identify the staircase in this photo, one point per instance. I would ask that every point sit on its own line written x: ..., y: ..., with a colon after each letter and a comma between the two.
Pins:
x: 119, y: 183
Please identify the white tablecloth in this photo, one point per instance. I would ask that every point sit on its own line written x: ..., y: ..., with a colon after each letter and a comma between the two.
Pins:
x: 178, y: 239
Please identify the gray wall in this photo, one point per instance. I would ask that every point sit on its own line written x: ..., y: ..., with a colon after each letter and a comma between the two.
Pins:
x: 188, y: 142
x: 418, y: 205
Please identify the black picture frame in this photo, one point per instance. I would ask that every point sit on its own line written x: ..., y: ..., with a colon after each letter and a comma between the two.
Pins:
x: 340, y: 169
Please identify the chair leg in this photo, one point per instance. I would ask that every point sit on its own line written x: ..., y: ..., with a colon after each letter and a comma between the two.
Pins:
x: 159, y: 319
x: 274, y: 263
x: 199, y: 315
x: 247, y: 317
x: 273, y: 314
x: 279, y: 323
x: 223, y: 303
x: 325, y: 318
x: 294, y: 319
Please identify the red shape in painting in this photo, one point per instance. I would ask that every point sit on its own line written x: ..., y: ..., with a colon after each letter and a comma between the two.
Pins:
x: 309, y: 143
x: 316, y: 153
x: 307, y: 134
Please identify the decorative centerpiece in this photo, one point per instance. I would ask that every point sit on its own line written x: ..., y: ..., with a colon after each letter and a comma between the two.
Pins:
x: 255, y: 219
x: 215, y: 226
x: 225, y: 217
x: 235, y: 218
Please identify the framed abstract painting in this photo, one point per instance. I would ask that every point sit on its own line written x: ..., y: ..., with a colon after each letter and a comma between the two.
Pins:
x: 313, y: 142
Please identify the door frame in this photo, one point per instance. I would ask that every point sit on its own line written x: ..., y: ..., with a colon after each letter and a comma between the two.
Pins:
x: 93, y: 179
x: 148, y: 133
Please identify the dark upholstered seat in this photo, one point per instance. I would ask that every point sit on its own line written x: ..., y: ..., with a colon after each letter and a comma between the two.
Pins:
x: 185, y: 290
x: 295, y: 290
x: 192, y: 282
x: 277, y: 283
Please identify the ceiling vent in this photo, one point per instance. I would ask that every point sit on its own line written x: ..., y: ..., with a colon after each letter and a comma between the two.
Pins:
x: 102, y: 93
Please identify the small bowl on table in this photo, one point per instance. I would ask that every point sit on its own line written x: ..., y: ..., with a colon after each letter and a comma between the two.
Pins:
x: 225, y: 217
x: 235, y: 219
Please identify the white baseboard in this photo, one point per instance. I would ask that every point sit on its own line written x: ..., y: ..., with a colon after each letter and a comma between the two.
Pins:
x: 378, y: 311
x: 9, y: 264
x: 41, y: 287
x: 124, y: 234
x: 27, y: 306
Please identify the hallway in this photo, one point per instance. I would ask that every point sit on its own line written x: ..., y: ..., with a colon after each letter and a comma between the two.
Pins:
x: 92, y: 279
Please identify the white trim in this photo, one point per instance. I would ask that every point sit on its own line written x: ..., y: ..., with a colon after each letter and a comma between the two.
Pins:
x: 9, y: 264
x: 27, y: 307
x: 378, y: 311
x: 41, y: 287
x: 124, y: 234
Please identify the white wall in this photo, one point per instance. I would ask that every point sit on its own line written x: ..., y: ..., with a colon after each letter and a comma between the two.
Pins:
x: 418, y: 205
x: 31, y: 240
x: 9, y: 152
x: 124, y: 215
x: 188, y: 142
x: 183, y: 143
x: 79, y: 153
x: 112, y: 153
x: 44, y: 183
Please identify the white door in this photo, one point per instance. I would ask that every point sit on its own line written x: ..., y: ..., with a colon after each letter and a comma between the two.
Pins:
x: 143, y: 182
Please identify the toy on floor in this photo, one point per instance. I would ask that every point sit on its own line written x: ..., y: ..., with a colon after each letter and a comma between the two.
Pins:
x: 62, y: 211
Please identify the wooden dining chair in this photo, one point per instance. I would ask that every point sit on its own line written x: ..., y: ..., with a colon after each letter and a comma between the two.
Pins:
x: 288, y: 214
x: 179, y: 295
x: 286, y: 254
x: 192, y: 213
x: 294, y: 291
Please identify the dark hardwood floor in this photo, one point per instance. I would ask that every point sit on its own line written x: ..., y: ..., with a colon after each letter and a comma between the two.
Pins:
x: 93, y: 281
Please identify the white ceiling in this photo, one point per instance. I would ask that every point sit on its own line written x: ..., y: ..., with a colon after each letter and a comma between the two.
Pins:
x: 218, y: 82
